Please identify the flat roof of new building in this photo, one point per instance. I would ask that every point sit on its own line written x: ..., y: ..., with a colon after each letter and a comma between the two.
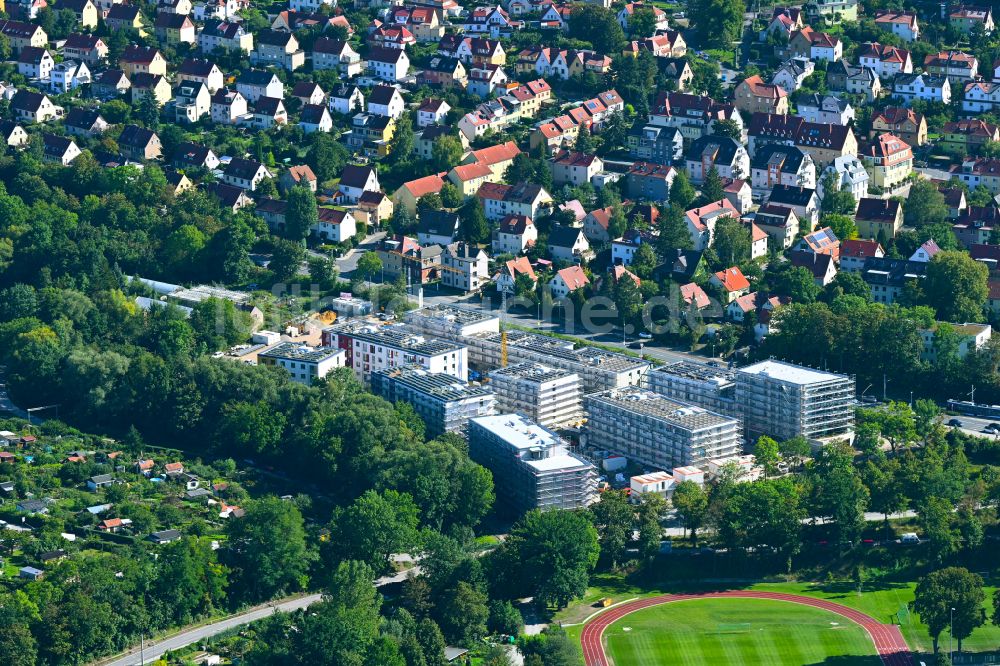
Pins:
x: 697, y: 371
x: 298, y: 352
x: 789, y: 372
x: 680, y: 414
x: 524, y: 435
x: 555, y: 347
x: 562, y: 459
x: 653, y: 477
x: 437, y: 384
x: 532, y: 372
x: 451, y: 314
x: 520, y: 432
x: 394, y: 335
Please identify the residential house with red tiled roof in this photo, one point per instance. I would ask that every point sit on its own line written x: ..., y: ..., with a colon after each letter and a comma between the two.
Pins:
x: 958, y: 67
x: 926, y: 251
x: 113, y: 524
x: 967, y: 137
x: 432, y: 111
x: 692, y: 293
x: 619, y: 272
x: 889, y: 160
x: 701, y: 221
x: 301, y: 175
x: 667, y: 44
x: 659, y: 16
x: 468, y: 178
x: 497, y: 157
x: 410, y: 192
x: 506, y: 278
x: 815, y: 45
x: 595, y: 224
x: 758, y: 241
x: 731, y: 283
x: 784, y: 21
x: 966, y: 18
x: 855, y: 252
x: 907, y: 124
x: 885, y: 60
x: 821, y: 241
x: 901, y: 23
x: 566, y: 281
x: 423, y: 22
x: 752, y: 95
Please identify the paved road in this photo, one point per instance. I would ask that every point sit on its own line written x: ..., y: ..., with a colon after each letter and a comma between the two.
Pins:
x: 7, y: 407
x: 888, y: 640
x: 347, y: 263
x: 153, y: 650
x: 973, y: 425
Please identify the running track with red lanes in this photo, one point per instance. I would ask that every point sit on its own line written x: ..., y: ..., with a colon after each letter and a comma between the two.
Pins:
x: 887, y: 638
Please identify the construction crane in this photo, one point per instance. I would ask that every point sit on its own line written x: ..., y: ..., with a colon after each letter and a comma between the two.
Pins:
x: 503, y: 328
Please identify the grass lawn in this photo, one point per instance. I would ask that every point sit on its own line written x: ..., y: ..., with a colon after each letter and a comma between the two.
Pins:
x: 736, y: 631
x: 881, y: 601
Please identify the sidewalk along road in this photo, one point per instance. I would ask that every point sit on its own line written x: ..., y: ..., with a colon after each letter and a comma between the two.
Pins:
x: 154, y: 649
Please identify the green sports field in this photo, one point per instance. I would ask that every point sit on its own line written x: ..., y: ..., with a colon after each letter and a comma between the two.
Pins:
x: 737, y: 631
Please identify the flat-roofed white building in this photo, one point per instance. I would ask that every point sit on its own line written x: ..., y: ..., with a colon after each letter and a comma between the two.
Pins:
x: 659, y: 483
x: 689, y: 473
x: 657, y: 431
x: 371, y: 346
x: 746, y: 467
x: 784, y: 400
x: 532, y: 466
x: 549, y: 396
x: 305, y: 364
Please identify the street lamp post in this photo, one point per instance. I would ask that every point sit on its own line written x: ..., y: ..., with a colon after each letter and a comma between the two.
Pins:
x: 951, y: 638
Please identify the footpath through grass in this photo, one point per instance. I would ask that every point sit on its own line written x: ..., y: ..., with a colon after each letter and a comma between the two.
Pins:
x: 886, y: 602
x: 737, y: 631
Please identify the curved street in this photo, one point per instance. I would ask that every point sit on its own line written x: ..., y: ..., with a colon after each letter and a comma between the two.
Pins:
x: 153, y: 650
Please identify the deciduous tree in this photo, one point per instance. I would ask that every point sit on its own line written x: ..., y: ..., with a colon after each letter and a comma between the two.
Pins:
x: 941, y: 591
x: 267, y: 549
x: 613, y: 518
x: 956, y: 286
x: 301, y: 214
x: 374, y: 527
x: 732, y: 241
x: 691, y: 503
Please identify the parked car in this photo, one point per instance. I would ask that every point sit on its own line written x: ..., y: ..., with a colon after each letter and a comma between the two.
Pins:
x: 909, y: 538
